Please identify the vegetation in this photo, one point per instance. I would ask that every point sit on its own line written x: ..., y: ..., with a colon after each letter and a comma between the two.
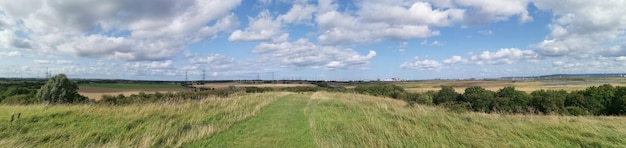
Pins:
x: 131, y: 85
x: 59, y: 90
x: 159, y: 124
x: 349, y: 120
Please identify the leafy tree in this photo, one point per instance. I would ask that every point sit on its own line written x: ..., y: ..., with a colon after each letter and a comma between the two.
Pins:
x: 59, y: 90
x: 480, y: 98
x: 549, y: 101
x: 598, y: 99
x: 511, y: 100
x: 446, y: 94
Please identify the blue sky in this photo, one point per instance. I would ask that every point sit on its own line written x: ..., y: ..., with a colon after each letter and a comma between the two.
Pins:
x: 315, y: 40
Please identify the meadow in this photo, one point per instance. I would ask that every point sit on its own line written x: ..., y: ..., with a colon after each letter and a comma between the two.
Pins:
x: 314, y: 119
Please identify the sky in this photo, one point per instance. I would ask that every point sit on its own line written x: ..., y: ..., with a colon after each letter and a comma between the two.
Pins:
x: 312, y: 40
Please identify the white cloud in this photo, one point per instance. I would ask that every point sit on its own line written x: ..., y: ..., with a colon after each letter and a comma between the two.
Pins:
x: 8, y: 39
x: 136, y: 30
x: 486, y: 11
x: 303, y: 53
x: 298, y: 14
x: 502, y: 56
x: 581, y: 27
x: 340, y: 28
x: 42, y: 61
x: 64, y: 62
x: 160, y: 64
x: 227, y: 23
x: 11, y: 54
x: 420, y: 64
x: 262, y: 28
x: 455, y: 59
x: 418, y: 13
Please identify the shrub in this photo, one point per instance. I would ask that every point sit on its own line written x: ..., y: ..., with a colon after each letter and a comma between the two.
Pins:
x: 60, y: 90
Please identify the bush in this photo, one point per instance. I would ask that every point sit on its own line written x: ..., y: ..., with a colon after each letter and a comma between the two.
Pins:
x: 446, y: 94
x: 60, y: 90
x: 392, y: 91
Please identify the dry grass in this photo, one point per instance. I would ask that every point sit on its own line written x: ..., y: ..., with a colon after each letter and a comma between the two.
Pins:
x: 352, y: 120
x: 527, y: 86
x: 137, y: 125
x: 224, y: 85
x: 96, y: 93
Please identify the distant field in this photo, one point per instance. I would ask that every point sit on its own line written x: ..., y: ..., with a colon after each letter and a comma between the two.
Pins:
x: 224, y: 85
x: 95, y: 91
x: 524, y: 85
x: 320, y: 119
x: 131, y: 86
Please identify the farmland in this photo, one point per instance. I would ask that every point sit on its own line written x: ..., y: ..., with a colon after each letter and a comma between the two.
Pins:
x: 320, y: 119
x: 96, y: 90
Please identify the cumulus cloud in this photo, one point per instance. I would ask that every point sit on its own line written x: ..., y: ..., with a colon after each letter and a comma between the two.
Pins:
x: 418, y: 13
x: 303, y: 53
x: 486, y: 11
x: 581, y: 27
x: 262, y: 28
x: 132, y: 29
x: 502, y: 56
x: 298, y: 14
x: 338, y: 28
x: 421, y: 64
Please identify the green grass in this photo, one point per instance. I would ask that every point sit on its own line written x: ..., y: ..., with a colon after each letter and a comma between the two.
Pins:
x: 320, y: 119
x: 131, y: 86
x: 349, y: 120
x: 281, y: 124
x: 140, y: 125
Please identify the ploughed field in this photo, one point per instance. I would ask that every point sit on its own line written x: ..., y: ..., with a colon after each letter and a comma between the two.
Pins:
x: 283, y: 119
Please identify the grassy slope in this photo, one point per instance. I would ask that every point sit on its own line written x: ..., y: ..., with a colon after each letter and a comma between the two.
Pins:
x: 131, y: 86
x: 140, y: 125
x: 326, y: 120
x: 340, y: 120
x: 281, y: 124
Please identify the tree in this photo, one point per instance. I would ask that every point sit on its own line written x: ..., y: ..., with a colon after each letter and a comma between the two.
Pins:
x: 480, y: 98
x: 446, y: 94
x: 549, y: 101
x: 511, y: 100
x: 59, y: 90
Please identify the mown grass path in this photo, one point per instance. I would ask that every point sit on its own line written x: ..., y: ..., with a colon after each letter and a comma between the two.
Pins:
x: 281, y: 124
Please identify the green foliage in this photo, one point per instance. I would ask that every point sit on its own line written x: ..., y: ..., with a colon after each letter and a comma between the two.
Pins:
x: 59, y: 90
x: 392, y: 91
x: 252, y: 89
x: 481, y: 99
x: 549, y: 101
x: 446, y: 94
x: 512, y: 101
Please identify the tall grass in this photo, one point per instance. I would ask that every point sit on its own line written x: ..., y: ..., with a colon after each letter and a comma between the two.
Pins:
x: 352, y: 120
x: 137, y: 125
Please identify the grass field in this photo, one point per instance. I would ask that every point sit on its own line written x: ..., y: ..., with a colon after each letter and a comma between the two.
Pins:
x: 96, y: 90
x: 525, y: 85
x: 131, y: 86
x: 318, y: 119
x: 139, y: 125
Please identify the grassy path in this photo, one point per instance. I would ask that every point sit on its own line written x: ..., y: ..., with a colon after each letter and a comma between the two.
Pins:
x: 282, y: 123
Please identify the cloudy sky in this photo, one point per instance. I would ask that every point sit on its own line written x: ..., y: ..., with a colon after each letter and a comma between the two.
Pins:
x: 303, y: 39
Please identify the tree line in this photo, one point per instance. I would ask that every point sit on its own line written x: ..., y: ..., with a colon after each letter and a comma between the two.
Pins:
x: 595, y: 100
